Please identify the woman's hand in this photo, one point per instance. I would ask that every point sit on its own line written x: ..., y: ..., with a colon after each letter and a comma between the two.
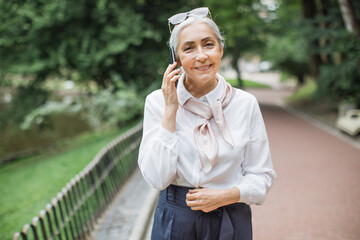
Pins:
x: 168, y: 88
x: 207, y: 200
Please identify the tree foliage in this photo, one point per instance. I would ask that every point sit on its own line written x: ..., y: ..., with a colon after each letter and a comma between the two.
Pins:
x: 243, y: 27
x: 109, y: 42
x: 101, y: 40
x: 309, y: 38
x: 285, y: 44
x: 338, y: 50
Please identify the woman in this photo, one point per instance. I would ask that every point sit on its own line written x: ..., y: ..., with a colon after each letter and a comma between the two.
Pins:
x: 204, y: 143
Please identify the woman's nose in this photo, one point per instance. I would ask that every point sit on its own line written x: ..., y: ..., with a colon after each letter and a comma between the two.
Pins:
x: 201, y: 56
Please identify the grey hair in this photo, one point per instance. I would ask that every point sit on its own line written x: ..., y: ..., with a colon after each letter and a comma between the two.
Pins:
x: 174, y: 37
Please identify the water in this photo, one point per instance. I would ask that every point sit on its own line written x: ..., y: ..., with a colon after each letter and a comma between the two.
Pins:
x: 16, y: 143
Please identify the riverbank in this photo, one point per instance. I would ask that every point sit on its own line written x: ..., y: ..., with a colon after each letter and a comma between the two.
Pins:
x: 28, y: 184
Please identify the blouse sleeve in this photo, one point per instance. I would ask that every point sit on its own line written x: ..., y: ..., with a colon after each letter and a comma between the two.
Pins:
x: 258, y: 171
x: 158, y: 150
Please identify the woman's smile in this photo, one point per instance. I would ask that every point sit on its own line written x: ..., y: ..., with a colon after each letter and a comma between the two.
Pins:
x: 204, y: 67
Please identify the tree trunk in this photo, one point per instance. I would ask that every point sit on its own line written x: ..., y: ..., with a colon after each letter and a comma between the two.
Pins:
x: 348, y: 16
x: 301, y: 79
x: 236, y: 66
x: 238, y: 73
x: 323, y: 11
x: 309, y: 11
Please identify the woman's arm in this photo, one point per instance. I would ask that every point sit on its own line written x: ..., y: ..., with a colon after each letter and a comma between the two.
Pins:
x: 170, y: 97
x: 258, y: 171
x: 158, y: 150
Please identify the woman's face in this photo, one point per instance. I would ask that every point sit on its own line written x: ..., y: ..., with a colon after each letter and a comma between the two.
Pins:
x: 200, y: 53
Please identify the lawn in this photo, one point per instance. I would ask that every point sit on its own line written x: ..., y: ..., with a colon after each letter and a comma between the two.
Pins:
x: 28, y: 184
x: 304, y: 94
x: 304, y: 99
x: 248, y: 83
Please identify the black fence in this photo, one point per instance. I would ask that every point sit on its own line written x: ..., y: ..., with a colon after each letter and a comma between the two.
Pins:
x: 73, y: 213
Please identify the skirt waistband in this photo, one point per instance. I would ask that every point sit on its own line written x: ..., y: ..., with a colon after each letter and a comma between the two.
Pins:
x: 176, y: 196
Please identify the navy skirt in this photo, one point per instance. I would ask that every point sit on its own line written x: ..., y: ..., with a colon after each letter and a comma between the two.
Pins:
x: 174, y: 220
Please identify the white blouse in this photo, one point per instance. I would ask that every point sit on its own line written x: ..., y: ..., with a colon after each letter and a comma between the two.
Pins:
x: 172, y: 158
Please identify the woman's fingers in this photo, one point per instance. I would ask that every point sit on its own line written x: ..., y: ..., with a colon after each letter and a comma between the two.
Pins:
x: 169, y: 88
x: 194, y: 198
x: 198, y: 205
x: 202, y: 199
x: 191, y: 195
x: 169, y: 72
x: 172, y: 77
x: 175, y: 78
x: 195, y: 190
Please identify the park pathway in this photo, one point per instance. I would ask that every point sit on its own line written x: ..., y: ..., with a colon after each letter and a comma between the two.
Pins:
x: 315, y: 197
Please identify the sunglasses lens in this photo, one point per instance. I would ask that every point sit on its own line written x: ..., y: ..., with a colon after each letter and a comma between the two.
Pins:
x: 200, y: 11
x: 178, y: 18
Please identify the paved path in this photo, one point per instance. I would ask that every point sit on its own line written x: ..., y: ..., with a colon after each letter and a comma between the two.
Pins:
x: 315, y: 197
x: 125, y: 212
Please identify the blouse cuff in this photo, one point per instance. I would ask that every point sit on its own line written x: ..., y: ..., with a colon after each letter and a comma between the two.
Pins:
x: 166, y: 136
x: 244, y: 193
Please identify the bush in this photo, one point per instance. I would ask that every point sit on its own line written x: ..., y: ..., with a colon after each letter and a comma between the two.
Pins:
x: 106, y: 109
x: 340, y: 82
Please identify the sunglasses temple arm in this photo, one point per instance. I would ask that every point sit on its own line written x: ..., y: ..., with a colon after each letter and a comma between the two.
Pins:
x: 169, y: 26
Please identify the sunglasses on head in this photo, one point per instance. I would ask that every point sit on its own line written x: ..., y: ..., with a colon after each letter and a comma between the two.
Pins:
x: 180, y: 17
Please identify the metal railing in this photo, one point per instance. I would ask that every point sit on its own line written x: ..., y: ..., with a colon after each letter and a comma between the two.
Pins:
x: 73, y: 213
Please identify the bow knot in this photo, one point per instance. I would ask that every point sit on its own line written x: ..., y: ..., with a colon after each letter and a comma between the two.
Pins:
x: 205, y: 138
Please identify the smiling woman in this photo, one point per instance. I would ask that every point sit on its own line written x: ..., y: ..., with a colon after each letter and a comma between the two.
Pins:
x: 204, y: 142
x: 199, y: 54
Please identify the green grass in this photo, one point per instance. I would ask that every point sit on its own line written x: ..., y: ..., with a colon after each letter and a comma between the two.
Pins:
x: 304, y: 94
x: 248, y: 83
x: 28, y: 184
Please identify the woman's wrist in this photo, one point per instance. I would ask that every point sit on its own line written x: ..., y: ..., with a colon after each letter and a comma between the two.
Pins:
x: 232, y: 195
x: 169, y: 119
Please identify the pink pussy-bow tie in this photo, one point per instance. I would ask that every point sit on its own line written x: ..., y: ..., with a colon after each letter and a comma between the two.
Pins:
x: 206, y: 141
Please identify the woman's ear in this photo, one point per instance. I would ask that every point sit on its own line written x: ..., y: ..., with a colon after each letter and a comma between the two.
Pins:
x: 178, y: 61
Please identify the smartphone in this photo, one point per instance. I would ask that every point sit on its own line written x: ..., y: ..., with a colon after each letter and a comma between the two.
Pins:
x: 172, y: 56
x: 172, y: 60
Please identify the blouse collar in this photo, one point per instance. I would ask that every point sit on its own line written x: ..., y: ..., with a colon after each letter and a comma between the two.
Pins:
x: 184, y: 95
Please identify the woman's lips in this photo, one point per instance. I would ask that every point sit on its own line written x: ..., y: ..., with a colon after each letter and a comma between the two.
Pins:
x: 203, y: 68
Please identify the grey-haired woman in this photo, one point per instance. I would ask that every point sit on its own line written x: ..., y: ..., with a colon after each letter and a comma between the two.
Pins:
x: 204, y: 142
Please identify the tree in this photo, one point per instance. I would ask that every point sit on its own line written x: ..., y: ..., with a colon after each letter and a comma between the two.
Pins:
x: 242, y: 25
x: 339, y: 78
x: 88, y: 40
x: 309, y: 13
x: 349, y: 17
x: 108, y: 42
x: 286, y: 43
x: 339, y: 75
x: 287, y: 54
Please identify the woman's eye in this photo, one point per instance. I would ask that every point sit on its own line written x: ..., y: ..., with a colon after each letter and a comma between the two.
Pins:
x: 209, y: 44
x: 187, y: 49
